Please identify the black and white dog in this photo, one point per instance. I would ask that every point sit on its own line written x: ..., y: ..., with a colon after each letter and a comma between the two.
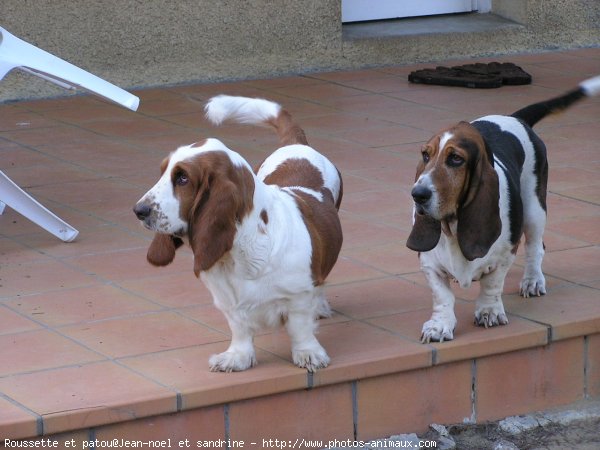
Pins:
x: 479, y: 187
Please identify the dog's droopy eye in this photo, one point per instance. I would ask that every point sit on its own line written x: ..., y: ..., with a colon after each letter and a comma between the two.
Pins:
x: 455, y: 160
x: 425, y: 157
x: 181, y: 179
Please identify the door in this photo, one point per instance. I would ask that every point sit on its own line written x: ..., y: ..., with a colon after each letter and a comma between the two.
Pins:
x: 359, y: 10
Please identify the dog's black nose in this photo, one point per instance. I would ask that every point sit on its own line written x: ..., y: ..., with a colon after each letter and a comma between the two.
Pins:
x: 421, y: 194
x: 142, y: 210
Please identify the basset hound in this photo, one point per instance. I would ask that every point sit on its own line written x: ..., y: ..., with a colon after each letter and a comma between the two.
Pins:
x: 479, y: 187
x: 264, y: 242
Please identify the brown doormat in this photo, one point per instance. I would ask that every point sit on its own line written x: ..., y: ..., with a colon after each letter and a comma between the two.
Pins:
x: 479, y: 75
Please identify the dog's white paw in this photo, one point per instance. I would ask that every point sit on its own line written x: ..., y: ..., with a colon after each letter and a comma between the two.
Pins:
x: 532, y: 285
x: 490, y: 315
x: 436, y: 330
x: 231, y: 361
x: 311, y: 359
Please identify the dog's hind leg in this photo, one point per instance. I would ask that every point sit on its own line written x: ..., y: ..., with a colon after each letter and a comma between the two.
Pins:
x: 323, y: 309
x: 533, y: 282
x: 533, y: 198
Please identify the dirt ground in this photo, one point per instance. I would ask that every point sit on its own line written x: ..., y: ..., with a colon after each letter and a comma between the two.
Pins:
x: 578, y: 435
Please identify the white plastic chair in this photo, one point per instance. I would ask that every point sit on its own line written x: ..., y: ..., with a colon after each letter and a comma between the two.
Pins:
x: 18, y: 54
x: 15, y: 197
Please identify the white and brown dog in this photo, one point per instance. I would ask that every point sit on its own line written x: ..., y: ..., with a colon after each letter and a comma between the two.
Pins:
x: 263, y: 243
x: 479, y: 186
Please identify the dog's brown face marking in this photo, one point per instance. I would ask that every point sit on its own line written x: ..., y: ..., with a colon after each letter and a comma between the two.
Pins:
x: 448, y: 160
x: 456, y: 181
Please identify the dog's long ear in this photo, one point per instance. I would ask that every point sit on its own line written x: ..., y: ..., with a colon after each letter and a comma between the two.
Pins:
x: 162, y: 249
x: 213, y: 226
x: 220, y: 205
x: 479, y: 223
x: 425, y: 233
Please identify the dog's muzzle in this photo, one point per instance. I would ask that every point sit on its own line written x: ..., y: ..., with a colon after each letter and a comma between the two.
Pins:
x: 421, y: 195
x: 142, y: 210
x: 146, y: 214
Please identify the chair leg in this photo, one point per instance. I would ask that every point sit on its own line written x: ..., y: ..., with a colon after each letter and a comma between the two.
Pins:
x: 15, y: 197
x: 16, y: 53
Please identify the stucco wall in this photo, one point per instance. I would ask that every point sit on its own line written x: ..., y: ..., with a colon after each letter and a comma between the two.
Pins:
x: 154, y: 42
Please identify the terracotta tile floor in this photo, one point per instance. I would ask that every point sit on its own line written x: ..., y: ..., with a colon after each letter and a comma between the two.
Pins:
x: 90, y: 323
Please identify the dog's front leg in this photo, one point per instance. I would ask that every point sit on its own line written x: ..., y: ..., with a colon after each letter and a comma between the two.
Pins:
x: 443, y: 321
x: 240, y: 355
x: 489, y: 310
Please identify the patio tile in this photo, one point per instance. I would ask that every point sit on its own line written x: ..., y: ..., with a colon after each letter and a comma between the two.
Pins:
x: 122, y: 127
x: 16, y: 155
x: 20, y: 119
x: 68, y: 102
x: 593, y: 365
x: 93, y: 394
x: 376, y: 298
x: 367, y: 232
x: 558, y: 241
x: 348, y: 270
x: 166, y: 103
x: 321, y: 92
x: 388, y: 134
x: 173, y: 290
x: 11, y: 322
x: 100, y: 196
x: 352, y: 156
x: 40, y: 276
x: 124, y: 265
x: 584, y: 229
x: 15, y: 421
x: 35, y: 137
x: 578, y: 265
x: 208, y: 314
x: 39, y: 350
x: 356, y: 350
x: 181, y: 369
x: 377, y: 203
x: 80, y: 305
x: 253, y: 420
x: 570, y: 310
x: 470, y: 341
x: 536, y: 379
x: 14, y: 252
x: 135, y: 335
x: 205, y: 91
x: 93, y: 238
x: 103, y: 157
x: 202, y: 425
x: 392, y: 258
x: 336, y: 122
x: 411, y: 401
x: 80, y: 113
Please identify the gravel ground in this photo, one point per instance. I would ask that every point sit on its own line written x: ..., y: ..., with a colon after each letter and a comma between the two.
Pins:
x: 575, y: 427
x: 578, y: 435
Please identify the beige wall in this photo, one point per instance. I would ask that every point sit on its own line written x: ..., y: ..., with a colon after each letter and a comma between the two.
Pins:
x: 155, y: 42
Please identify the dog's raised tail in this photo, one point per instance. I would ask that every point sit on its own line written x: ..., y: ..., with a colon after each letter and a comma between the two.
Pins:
x: 255, y: 111
x: 532, y: 114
